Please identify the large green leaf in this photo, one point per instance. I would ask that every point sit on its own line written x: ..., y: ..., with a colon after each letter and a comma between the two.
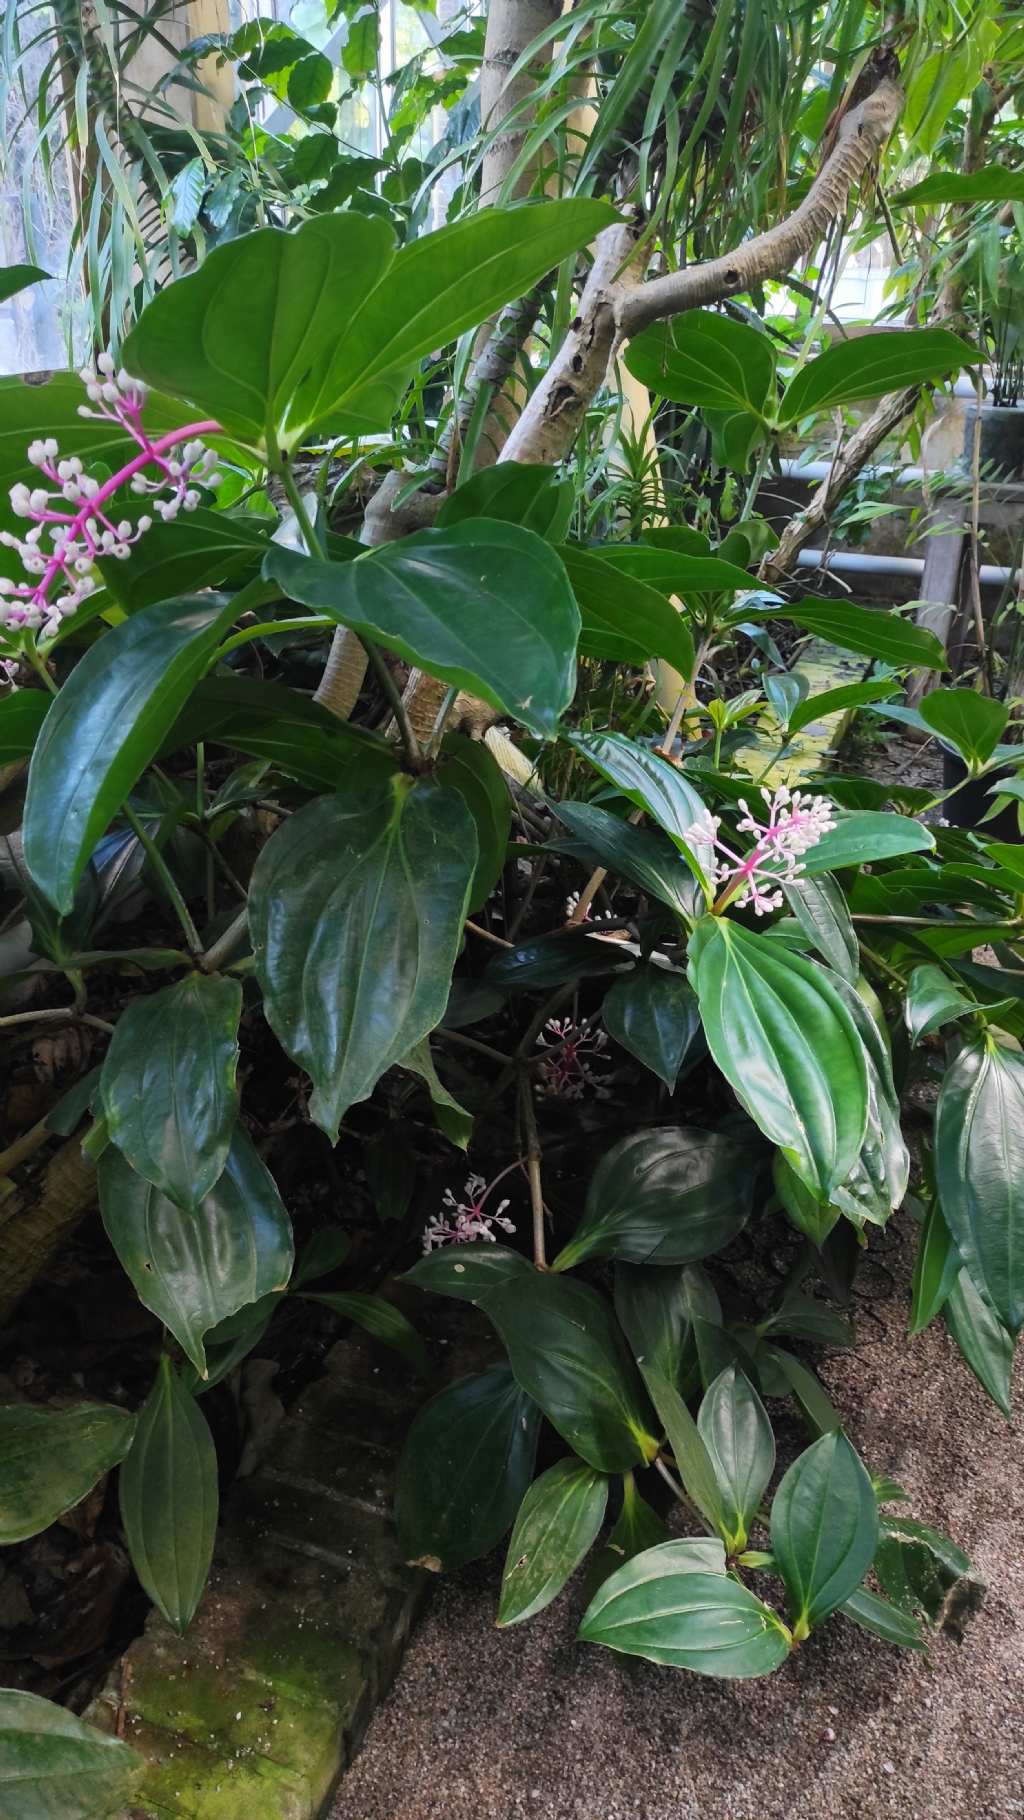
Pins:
x: 705, y: 359
x: 870, y: 631
x: 557, y: 1522
x: 969, y: 723
x: 870, y: 365
x: 469, y: 767
x: 201, y: 550
x: 15, y: 278
x: 625, y: 621
x: 168, y: 1084
x: 279, y: 331
x: 882, y: 1619
x: 656, y: 1311
x: 936, y: 1268
x: 467, y: 1272
x: 644, y: 856
x: 667, y: 1196
x: 653, y: 1013
x: 993, y: 183
x: 356, y: 911
x: 54, y: 1767
x: 169, y: 1498
x: 786, y: 1043
x: 878, y: 1181
x: 985, y: 1343
x: 517, y: 492
x: 933, y: 1000
x: 864, y: 836
x: 193, y: 1270
x: 834, y: 701
x: 738, y: 1435
x: 979, y: 1170
x: 267, y: 720
x: 820, y: 908
x: 51, y: 1458
x: 483, y: 604
x: 105, y: 726
x: 923, y: 1571
x: 666, y: 1606
x: 650, y: 782
x: 464, y: 1470
x: 377, y: 1317
x: 824, y: 1529
x: 676, y: 571
x: 568, y: 1354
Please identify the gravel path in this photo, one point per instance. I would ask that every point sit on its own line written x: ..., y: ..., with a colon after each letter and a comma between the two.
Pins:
x: 529, y: 1725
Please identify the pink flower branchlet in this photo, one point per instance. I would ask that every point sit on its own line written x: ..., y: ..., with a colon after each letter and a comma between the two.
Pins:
x: 465, y: 1220
x: 71, y: 527
x: 796, y: 822
x: 568, y: 1073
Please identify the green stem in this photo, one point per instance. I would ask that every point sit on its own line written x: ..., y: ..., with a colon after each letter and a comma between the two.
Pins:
x: 268, y: 627
x: 226, y: 944
x: 163, y: 872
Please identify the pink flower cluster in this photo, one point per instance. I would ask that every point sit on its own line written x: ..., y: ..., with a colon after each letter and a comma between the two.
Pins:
x: 466, y: 1220
x: 568, y: 1071
x: 796, y: 822
x: 71, y: 528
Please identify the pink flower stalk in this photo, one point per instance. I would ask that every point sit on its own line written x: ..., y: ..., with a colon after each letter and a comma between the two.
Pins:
x: 70, y: 528
x: 796, y: 822
x: 466, y: 1219
x: 568, y: 1072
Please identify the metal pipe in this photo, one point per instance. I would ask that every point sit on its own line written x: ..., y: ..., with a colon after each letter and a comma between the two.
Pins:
x: 856, y: 562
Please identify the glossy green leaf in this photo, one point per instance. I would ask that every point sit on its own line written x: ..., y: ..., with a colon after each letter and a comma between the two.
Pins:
x: 380, y: 1319
x: 464, y: 1470
x: 876, y: 1185
x: 808, y: 1392
x: 279, y: 331
x: 993, y: 183
x: 675, y: 572
x: 484, y: 605
x: 820, y: 908
x: 705, y: 359
x: 356, y: 911
x: 22, y: 713
x: 656, y: 1311
x: 168, y: 1084
x: 979, y: 1170
x: 986, y: 1345
x: 802, y: 1317
x: 933, y: 999
x: 666, y: 1606
x: 201, y: 550
x: 625, y: 621
x: 868, y: 366
x: 557, y: 1522
x: 554, y: 960
x: 469, y: 767
x: 643, y: 855
x: 568, y: 1354
x: 15, y: 278
x: 736, y: 1431
x: 814, y: 1218
x: 50, y: 1459
x: 824, y: 1527
x: 105, y: 726
x: 883, y: 1619
x: 267, y: 720
x: 837, y: 701
x: 693, y: 1461
x: 870, y: 631
x: 936, y: 1268
x: 921, y: 1570
x: 55, y: 1767
x: 468, y: 1272
x: 193, y: 1270
x: 651, y: 783
x: 169, y: 1499
x: 653, y: 1013
x: 864, y: 836
x: 782, y: 1036
x: 449, y: 1116
x: 666, y: 1196
x: 516, y: 492
x: 970, y: 723
x: 321, y: 1255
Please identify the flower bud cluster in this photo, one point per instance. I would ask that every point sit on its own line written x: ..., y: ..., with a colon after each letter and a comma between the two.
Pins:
x: 796, y: 822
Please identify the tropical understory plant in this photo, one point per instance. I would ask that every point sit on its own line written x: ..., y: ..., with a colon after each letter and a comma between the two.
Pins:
x: 668, y: 1003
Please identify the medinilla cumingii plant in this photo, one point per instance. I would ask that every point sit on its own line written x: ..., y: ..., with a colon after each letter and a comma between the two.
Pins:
x: 768, y: 964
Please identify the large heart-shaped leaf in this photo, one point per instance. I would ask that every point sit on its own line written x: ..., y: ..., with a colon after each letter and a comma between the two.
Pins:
x: 279, y: 331
x: 194, y: 1270
x: 968, y: 723
x: 650, y: 782
x: 782, y: 1036
x: 704, y: 359
x: 675, y: 1605
x: 824, y: 1529
x: 653, y: 1013
x: 485, y: 605
x: 169, y: 1498
x: 667, y: 1196
x: 738, y: 1435
x: 979, y: 1169
x: 51, y: 1458
x: 356, y: 911
x: 168, y: 1084
x: 568, y: 1354
x: 625, y: 621
x: 464, y: 1470
x: 557, y: 1522
x: 54, y: 1767
x: 105, y: 726
x: 870, y: 365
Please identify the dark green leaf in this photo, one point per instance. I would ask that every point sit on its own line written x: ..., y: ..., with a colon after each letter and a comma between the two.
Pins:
x: 293, y: 731
x: 651, y: 783
x: 468, y: 1272
x: 55, y: 1767
x: 390, y: 1167
x: 864, y: 836
x: 882, y: 1619
x: 693, y: 1461
x: 484, y: 605
x: 936, y: 1269
x: 986, y: 1345
x: 644, y: 856
x: 464, y: 1470
x: 356, y: 911
x: 15, y: 278
x: 923, y: 1571
x: 675, y: 572
x: 378, y: 1318
x: 653, y: 1013
x: 870, y: 631
x: 804, y: 1318
x: 515, y: 492
x: 624, y: 621
x: 553, y: 960
x: 970, y: 723
x: 469, y: 767
x: 449, y: 1116
x: 705, y: 359
x: 814, y: 1218
x: 666, y: 1196
x: 557, y: 1522
x: 656, y: 1310
x: 204, y: 550
x: 824, y: 1529
x: 868, y: 366
x: 782, y: 1036
x: 738, y: 1436
x: 933, y: 999
x: 105, y: 726
x: 51, y: 1458
x: 169, y: 1498
x: 168, y: 1084
x: 322, y: 1255
x: 568, y: 1354
x: 835, y: 701
x: 979, y: 1170
x: 808, y: 1392
x: 993, y: 183
x: 665, y: 1606
x: 21, y: 715
x: 820, y: 908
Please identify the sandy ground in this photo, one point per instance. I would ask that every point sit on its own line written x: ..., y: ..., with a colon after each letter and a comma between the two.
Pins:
x: 489, y: 1725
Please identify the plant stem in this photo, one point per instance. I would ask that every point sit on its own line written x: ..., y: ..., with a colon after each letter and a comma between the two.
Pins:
x: 678, y: 1492
x: 226, y: 944
x: 57, y: 1015
x: 487, y: 936
x: 163, y: 872
x: 533, y: 1159
x: 448, y: 701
